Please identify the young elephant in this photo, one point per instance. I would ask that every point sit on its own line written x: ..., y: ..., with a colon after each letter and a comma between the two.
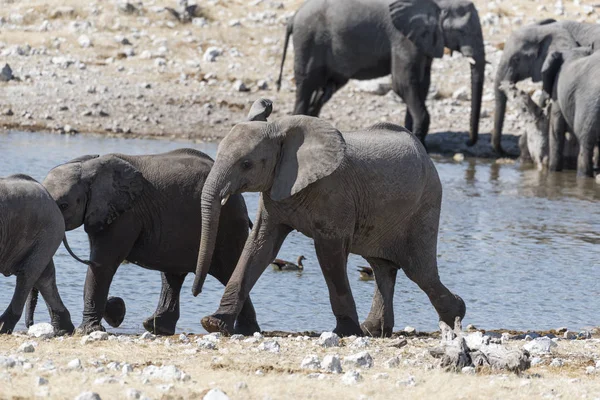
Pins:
x: 31, y: 229
x: 143, y: 209
x: 375, y: 193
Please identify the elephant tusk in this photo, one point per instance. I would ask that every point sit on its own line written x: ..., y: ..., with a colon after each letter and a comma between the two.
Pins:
x: 471, y: 60
x: 224, y: 200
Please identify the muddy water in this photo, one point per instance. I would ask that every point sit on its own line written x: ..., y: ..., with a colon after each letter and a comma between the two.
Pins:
x: 520, y: 247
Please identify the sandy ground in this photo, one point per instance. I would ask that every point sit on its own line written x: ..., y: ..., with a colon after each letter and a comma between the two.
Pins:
x: 243, y: 369
x: 134, y: 69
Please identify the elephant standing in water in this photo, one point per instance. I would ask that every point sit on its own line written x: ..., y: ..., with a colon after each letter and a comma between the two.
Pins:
x: 31, y: 229
x: 375, y: 193
x: 338, y: 40
x: 525, y: 52
x: 143, y: 209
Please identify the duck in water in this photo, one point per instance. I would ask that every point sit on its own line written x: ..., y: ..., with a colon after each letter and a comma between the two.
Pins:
x: 366, y: 273
x: 282, y: 265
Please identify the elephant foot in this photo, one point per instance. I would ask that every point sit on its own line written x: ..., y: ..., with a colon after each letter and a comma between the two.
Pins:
x: 246, y: 328
x: 61, y: 322
x: 8, y: 321
x: 457, y: 308
x: 114, y: 311
x: 87, y: 328
x: 347, y: 327
x: 375, y: 328
x: 163, y: 324
x: 218, y: 323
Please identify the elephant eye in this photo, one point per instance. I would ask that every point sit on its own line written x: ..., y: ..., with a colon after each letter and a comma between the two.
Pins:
x: 63, y: 206
x: 246, y: 164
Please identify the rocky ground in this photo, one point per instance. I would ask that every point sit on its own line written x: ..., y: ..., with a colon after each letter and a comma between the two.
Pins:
x: 148, y: 69
x: 282, y: 366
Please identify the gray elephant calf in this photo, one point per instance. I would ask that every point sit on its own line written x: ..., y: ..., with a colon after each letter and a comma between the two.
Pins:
x: 374, y: 193
x: 144, y: 209
x: 31, y: 229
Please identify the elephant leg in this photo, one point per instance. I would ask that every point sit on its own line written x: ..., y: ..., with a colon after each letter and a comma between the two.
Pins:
x: 380, y: 321
x: 408, y: 120
x: 558, y: 128
x: 324, y: 95
x: 12, y: 315
x: 59, y: 315
x: 262, y: 247
x: 164, y: 320
x: 333, y: 258
x: 585, y: 159
x: 306, y: 88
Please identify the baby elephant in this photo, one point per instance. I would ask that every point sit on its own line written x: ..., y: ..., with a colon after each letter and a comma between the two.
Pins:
x: 571, y: 78
x: 144, y: 209
x: 31, y: 229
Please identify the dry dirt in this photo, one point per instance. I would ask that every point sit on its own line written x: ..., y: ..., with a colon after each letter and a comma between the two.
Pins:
x: 76, y: 74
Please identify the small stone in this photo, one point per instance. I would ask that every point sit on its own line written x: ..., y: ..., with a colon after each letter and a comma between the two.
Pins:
x: 6, y: 74
x: 569, y: 335
x: 74, y: 364
x: 331, y: 363
x: 40, y: 381
x: 536, y: 360
x: 557, y: 363
x: 88, y: 396
x: 471, y: 327
x: 362, y: 359
x: 146, y: 85
x: 271, y: 346
x: 235, y: 23
x: 329, y: 339
x: 410, y: 381
x: 147, y: 336
x: 8, y: 112
x: 310, y: 362
x: 257, y: 335
x: 126, y: 369
x: 165, y: 373
x: 590, y: 370
x: 105, y: 380
x: 381, y: 375
x: 541, y: 345
x: 205, y: 343
x: 392, y: 362
x: 562, y: 329
x: 160, y: 62
x: 598, y: 364
x: 240, y: 86
x: 459, y: 157
x: 215, y: 394
x: 584, y: 335
x: 84, y: 41
x: 468, y: 370
x: 262, y: 85
x: 211, y: 54
x: 27, y: 348
x: 461, y: 94
x: 360, y: 342
x: 183, y: 338
x: 241, y: 386
x: 351, y: 378
x: 97, y: 335
x: 236, y: 338
x: 409, y: 330
x: 43, y: 330
x: 135, y: 394
x: 398, y: 343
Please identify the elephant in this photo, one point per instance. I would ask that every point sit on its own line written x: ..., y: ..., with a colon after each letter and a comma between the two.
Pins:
x: 31, y: 229
x: 143, y: 209
x: 366, y: 39
x: 570, y: 77
x: 320, y: 182
x: 525, y: 52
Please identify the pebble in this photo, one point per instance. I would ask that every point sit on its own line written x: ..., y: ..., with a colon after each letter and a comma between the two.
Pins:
x: 240, y: 86
x: 126, y: 369
x: 541, y: 345
x: 40, y: 381
x: 331, y: 363
x: 8, y: 112
x: 27, y: 348
x: 569, y: 335
x: 43, y: 330
x: 461, y: 94
x: 459, y: 157
x: 147, y: 335
x: 409, y: 330
x: 236, y: 337
x: 536, y: 360
x: 351, y: 378
x: 362, y: 359
x: 584, y: 335
x: 468, y: 370
x: 84, y: 41
x: 7, y: 362
x: 590, y: 370
x: 310, y: 362
x: 215, y: 394
x: 205, y: 343
x: 410, y: 381
x: 557, y: 362
x: 381, y: 375
x: 262, y: 85
x: 105, y: 380
x: 329, y: 339
x: 398, y: 343
x: 165, y: 373
x: 392, y: 362
x: 211, y: 54
x: 88, y: 396
x: 270, y: 346
x: 360, y: 342
x: 135, y: 394
x: 6, y: 74
x: 74, y: 364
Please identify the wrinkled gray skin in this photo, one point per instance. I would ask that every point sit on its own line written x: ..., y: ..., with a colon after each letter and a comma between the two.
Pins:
x: 525, y: 52
x: 319, y: 182
x: 338, y: 40
x: 31, y: 229
x: 144, y: 209
x: 571, y: 78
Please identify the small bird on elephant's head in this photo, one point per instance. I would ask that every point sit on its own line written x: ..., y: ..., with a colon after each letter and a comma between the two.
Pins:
x: 282, y: 265
x: 366, y: 273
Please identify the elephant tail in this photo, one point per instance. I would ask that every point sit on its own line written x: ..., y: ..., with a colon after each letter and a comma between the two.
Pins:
x: 288, y: 32
x: 31, y: 305
x: 86, y: 262
x: 250, y: 224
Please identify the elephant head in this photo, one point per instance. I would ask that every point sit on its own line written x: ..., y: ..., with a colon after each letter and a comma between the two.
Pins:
x: 454, y: 24
x: 554, y: 62
x: 524, y: 54
x: 93, y: 191
x: 278, y: 159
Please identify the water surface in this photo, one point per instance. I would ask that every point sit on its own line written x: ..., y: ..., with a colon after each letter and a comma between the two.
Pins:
x: 519, y: 246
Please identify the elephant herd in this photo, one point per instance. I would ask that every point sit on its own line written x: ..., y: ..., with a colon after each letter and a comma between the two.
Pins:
x: 181, y: 212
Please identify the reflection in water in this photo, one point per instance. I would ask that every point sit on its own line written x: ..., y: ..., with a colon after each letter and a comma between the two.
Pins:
x: 519, y: 245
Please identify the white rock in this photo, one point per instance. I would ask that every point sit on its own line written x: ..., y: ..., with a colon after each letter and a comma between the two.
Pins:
x: 590, y: 370
x: 126, y: 369
x: 362, y: 359
x: 237, y: 337
x: 536, y: 360
x: 351, y: 378
x: 598, y: 364
x: 270, y: 346
x: 331, y: 363
x: 43, y: 330
x: 40, y: 381
x: 541, y: 345
x: 468, y: 370
x: 262, y: 85
x: 410, y: 381
x: 135, y: 394
x: 310, y: 362
x: 183, y: 338
x: 97, y: 335
x: 74, y: 364
x: 166, y: 373
x: 147, y: 335
x: 381, y: 375
x: 241, y: 386
x: 84, y: 41
x: 205, y: 343
x: 7, y: 362
x: 27, y: 347
x: 557, y: 362
x: 211, y: 54
x: 329, y: 339
x: 392, y: 362
x: 160, y: 62
x: 257, y: 335
x: 88, y: 396
x: 235, y: 23
x: 461, y: 94
x: 360, y: 342
x: 240, y: 86
x: 215, y: 394
x: 201, y: 22
x: 379, y: 86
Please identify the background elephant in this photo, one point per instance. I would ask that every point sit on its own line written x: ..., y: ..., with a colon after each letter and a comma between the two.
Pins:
x: 143, y: 209
x: 357, y: 39
x: 525, y: 52
x: 31, y: 229
x: 571, y: 78
x: 375, y: 193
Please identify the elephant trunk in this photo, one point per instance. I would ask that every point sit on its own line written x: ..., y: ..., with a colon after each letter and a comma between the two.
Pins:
x: 477, y: 78
x: 211, y: 211
x: 500, y: 107
x: 86, y: 262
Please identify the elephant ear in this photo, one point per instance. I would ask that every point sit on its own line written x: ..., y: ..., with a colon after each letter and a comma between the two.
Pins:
x: 311, y: 150
x: 260, y: 110
x: 419, y: 21
x: 550, y: 70
x: 115, y: 185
